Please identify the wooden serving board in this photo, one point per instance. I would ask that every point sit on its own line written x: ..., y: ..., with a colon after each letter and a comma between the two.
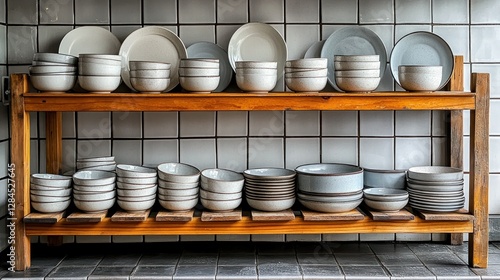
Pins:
x: 285, y: 215
x: 401, y: 215
x: 208, y: 216
x: 79, y: 217
x: 122, y: 216
x: 353, y: 215
x: 460, y: 215
x: 43, y: 218
x: 169, y: 216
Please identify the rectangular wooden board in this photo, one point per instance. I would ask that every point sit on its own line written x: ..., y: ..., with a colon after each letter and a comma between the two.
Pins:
x: 353, y: 215
x: 401, y: 215
x: 122, y: 216
x: 43, y: 218
x: 285, y: 215
x: 234, y: 215
x: 169, y: 216
x: 460, y: 215
x: 79, y: 217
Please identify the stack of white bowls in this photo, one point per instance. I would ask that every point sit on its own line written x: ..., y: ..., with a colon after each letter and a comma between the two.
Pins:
x: 385, y: 200
x: 136, y: 187
x: 199, y: 74
x: 99, y: 72
x: 270, y: 189
x: 307, y: 74
x: 256, y: 76
x: 149, y: 76
x: 50, y: 193
x: 178, y: 186
x: 96, y: 163
x: 357, y: 73
x: 221, y: 190
x: 94, y: 191
x: 53, y: 72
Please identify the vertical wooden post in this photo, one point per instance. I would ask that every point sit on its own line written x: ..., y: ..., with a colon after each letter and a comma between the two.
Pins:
x: 20, y: 156
x: 479, y: 170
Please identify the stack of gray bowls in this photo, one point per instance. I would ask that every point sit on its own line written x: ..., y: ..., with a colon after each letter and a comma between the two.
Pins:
x: 136, y: 187
x: 199, y: 74
x: 178, y: 186
x: 149, y: 76
x: 99, y: 72
x: 221, y: 189
x: 53, y: 72
x: 50, y: 193
x: 96, y: 163
x: 94, y: 190
x: 330, y: 187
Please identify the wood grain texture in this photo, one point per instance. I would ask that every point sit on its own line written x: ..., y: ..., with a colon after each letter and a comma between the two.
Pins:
x: 43, y: 218
x: 168, y: 216
x: 122, y: 216
x: 401, y: 215
x: 285, y: 215
x: 208, y: 216
x: 460, y: 215
x: 353, y: 215
x: 80, y: 217
x: 53, y: 123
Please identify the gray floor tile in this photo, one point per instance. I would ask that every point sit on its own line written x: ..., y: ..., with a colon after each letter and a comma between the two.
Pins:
x: 281, y: 271
x: 410, y: 272
x: 277, y: 259
x: 84, y: 260
x: 195, y: 272
x: 120, y: 260
x: 313, y: 248
x: 399, y: 259
x: 427, y: 248
x: 453, y: 272
x: 143, y: 272
x: 390, y: 248
x: 321, y: 272
x: 496, y: 244
x: 462, y: 248
x: 47, y: 261
x: 33, y: 273
x: 434, y: 259
x: 236, y: 272
x: 358, y: 248
x: 237, y: 248
x: 237, y: 259
x: 490, y: 273
x: 493, y: 258
x: 492, y: 249
x: 463, y: 257
x: 111, y: 272
x: 71, y: 272
x: 316, y: 259
x: 357, y: 259
x: 275, y: 248
x: 364, y: 272
x: 199, y: 259
x: 167, y: 259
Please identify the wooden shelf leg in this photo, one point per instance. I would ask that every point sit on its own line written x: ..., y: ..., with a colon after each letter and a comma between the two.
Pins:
x: 53, y: 127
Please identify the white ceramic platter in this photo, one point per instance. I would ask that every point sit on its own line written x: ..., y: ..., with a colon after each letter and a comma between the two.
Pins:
x: 436, y: 188
x: 211, y: 50
x: 314, y: 50
x: 153, y: 43
x: 91, y: 40
x: 258, y: 42
x: 435, y: 194
x: 352, y: 40
x: 422, y: 48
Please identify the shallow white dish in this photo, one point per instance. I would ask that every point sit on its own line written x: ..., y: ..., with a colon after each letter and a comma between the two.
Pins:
x: 436, y: 188
x: 91, y: 178
x: 270, y: 205
x: 94, y: 206
x: 331, y: 207
x: 314, y: 50
x: 89, y: 40
x: 50, y: 180
x: 386, y: 206
x: 385, y: 194
x: 211, y: 50
x: 269, y: 173
x: 178, y: 172
x: 435, y: 173
x: 51, y: 207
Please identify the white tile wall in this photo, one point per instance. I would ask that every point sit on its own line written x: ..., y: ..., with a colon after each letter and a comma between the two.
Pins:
x: 302, y: 11
x: 22, y: 11
x: 232, y: 153
x: 413, y: 11
x: 56, y: 12
x: 160, y: 11
x: 381, y: 11
x: 91, y: 11
x: 126, y: 11
x: 339, y: 11
x: 301, y: 151
x: 230, y: 11
x: 159, y: 151
x: 451, y: 11
x: 197, y: 11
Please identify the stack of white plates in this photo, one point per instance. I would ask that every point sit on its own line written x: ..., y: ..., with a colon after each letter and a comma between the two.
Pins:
x: 270, y: 189
x: 96, y: 163
x: 199, y: 74
x: 436, y: 188
x: 221, y: 189
x: 99, y: 72
x: 178, y: 186
x: 50, y: 193
x: 136, y: 187
x: 94, y: 190
x: 306, y: 75
x: 53, y: 71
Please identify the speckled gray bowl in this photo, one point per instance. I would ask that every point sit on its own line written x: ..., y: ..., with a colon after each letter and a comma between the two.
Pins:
x: 43, y: 198
x: 331, y: 199
x: 50, y: 207
x: 52, y: 192
x: 50, y: 180
x: 137, y: 181
x: 135, y: 206
x: 376, y: 178
x: 178, y: 205
x: 383, y: 194
x: 221, y: 205
x: 177, y: 186
x: 137, y: 192
x: 386, y: 206
x: 330, y: 178
x: 133, y: 171
x: 178, y: 192
x: 93, y: 178
x: 136, y: 198
x: 94, y: 196
x: 221, y: 180
x: 178, y: 172
x: 94, y: 206
x: 331, y: 207
x: 219, y: 196
x: 102, y: 188
x: 435, y: 173
x: 270, y: 205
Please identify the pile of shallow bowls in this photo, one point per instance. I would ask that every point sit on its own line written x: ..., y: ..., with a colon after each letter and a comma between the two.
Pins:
x: 357, y: 73
x: 420, y: 77
x: 330, y: 187
x: 178, y: 186
x: 136, y: 187
x: 436, y: 188
x: 221, y: 190
x: 149, y: 76
x: 307, y: 74
x: 270, y: 189
x: 385, y: 200
x: 50, y: 193
x: 99, y: 72
x: 199, y: 74
x: 53, y: 72
x: 256, y: 76
x: 381, y: 178
x: 94, y: 191
x: 96, y: 163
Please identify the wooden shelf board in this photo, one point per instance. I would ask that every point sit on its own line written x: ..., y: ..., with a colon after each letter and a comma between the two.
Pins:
x: 460, y: 215
x: 170, y: 216
x: 353, y: 215
x: 79, y: 217
x: 43, y: 218
x: 122, y: 216
x: 401, y: 215
x: 285, y: 215
x: 208, y: 216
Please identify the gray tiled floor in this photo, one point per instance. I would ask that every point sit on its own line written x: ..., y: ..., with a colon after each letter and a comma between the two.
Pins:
x: 254, y: 261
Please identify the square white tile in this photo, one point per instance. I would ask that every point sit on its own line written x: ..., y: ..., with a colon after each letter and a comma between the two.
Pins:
x: 191, y: 34
x: 188, y: 238
x: 2, y: 11
x: 268, y: 238
x: 230, y: 11
x: 197, y: 11
x: 466, y: 115
x: 376, y: 153
x: 68, y: 125
x: 91, y: 11
x: 339, y: 123
x: 270, y: 11
x: 160, y: 11
x: 21, y: 41
x: 198, y: 152
x: 342, y: 150
x: 121, y: 32
x: 3, y: 45
x: 265, y: 152
x: 22, y: 11
x: 266, y: 123
x: 484, y: 11
x: 413, y: 11
x: 301, y: 11
x: 376, y: 123
x: 413, y: 123
x: 233, y: 237
x: 197, y: 124
x: 232, y: 153
x: 327, y: 30
x: 127, y: 124
x: 450, y: 11
x: 126, y: 11
x: 494, y: 150
x: 439, y: 151
x: 363, y: 237
x: 457, y: 38
x: 494, y: 193
x: 4, y: 158
x: 301, y: 151
x: 340, y: 237
x: 93, y: 148
x: 484, y: 46
x: 224, y: 33
x: 94, y: 125
x: 232, y: 123
x: 440, y: 122
x: 381, y: 11
x: 33, y: 124
x: 128, y: 239
x: 387, y: 81
x: 386, y: 34
x: 494, y: 70
x: 415, y: 151
x: 494, y: 117
x: 49, y: 37
x: 128, y: 151
x: 161, y: 238
x: 69, y: 156
x: 405, y: 29
x: 160, y: 124
x: 466, y: 153
x: 303, y: 238
x: 299, y: 38
x: 339, y: 11
x: 3, y: 197
x: 56, y: 12
x: 160, y: 151
x: 302, y: 123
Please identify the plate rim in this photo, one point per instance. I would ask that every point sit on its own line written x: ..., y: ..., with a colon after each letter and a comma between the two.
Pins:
x: 77, y: 33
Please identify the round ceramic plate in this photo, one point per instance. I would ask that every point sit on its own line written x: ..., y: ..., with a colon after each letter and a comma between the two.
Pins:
x: 435, y: 194
x: 435, y: 183
x: 352, y: 40
x: 89, y: 39
x: 153, y: 43
x: 432, y: 200
x: 258, y: 42
x: 211, y: 50
x: 314, y: 50
x: 436, y: 188
x: 275, y: 182
x: 269, y: 174
x: 422, y: 48
x: 434, y: 209
x: 435, y: 173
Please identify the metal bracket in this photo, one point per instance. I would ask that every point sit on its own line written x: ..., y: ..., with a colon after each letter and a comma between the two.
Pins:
x: 5, y: 90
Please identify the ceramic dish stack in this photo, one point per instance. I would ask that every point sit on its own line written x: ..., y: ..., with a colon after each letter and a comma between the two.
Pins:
x: 306, y: 75
x: 99, y: 72
x: 149, y: 76
x: 221, y: 190
x: 178, y: 186
x: 256, y: 76
x: 380, y: 178
x: 270, y: 189
x: 94, y: 191
x: 436, y: 188
x: 96, y: 163
x: 357, y: 73
x: 136, y: 187
x: 385, y: 200
x: 53, y: 72
x: 330, y: 187
x: 199, y: 74
x: 50, y: 193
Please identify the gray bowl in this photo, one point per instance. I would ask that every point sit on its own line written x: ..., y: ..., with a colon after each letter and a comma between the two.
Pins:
x: 178, y: 197
x: 42, y: 198
x: 270, y: 205
x: 51, y: 207
x: 393, y: 179
x: 383, y: 194
x: 177, y: 186
x: 331, y: 178
x: 137, y: 181
x: 93, y: 178
x: 94, y: 196
x: 133, y: 171
x: 51, y: 180
x: 435, y: 173
x: 136, y: 198
x: 221, y: 205
x: 178, y: 192
x: 94, y: 206
x: 178, y: 205
x: 219, y: 196
x: 221, y: 180
x: 331, y: 207
x: 386, y: 206
x: 102, y: 188
x: 331, y: 199
x: 178, y: 172
x: 135, y: 206
x: 137, y: 192
x: 52, y: 192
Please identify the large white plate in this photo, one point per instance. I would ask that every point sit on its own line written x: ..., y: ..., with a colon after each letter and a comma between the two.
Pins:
x: 422, y: 48
x: 89, y: 39
x: 352, y: 40
x: 314, y: 51
x: 153, y: 43
x: 258, y: 42
x: 211, y: 50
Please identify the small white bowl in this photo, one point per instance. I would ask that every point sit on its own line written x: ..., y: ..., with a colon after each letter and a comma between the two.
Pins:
x: 138, y: 181
x: 93, y: 69
x: 97, y: 159
x: 178, y: 172
x: 420, y: 78
x: 94, y: 196
x: 356, y: 65
x: 357, y: 84
x: 94, y: 178
x: 94, y: 206
x: 43, y: 198
x: 199, y: 83
x: 177, y: 197
x: 374, y: 73
x: 307, y: 63
x: 221, y: 180
x: 94, y: 188
x: 47, y: 188
x: 57, y: 83
x: 385, y: 194
x: 177, y: 186
x: 271, y: 205
x: 51, y: 180
x: 199, y: 63
x: 68, y: 70
x: 292, y: 73
x: 221, y: 205
x: 137, y: 192
x: 134, y: 171
x: 178, y: 205
x: 421, y: 69
x: 152, y: 65
x: 46, y: 63
x: 137, y: 198
x: 386, y: 206
x: 357, y: 58
x: 329, y: 207
x: 256, y: 64
x: 101, y: 61
x: 256, y: 83
x: 136, y: 206
x: 219, y: 196
x: 55, y: 57
x: 128, y: 186
x: 311, y: 84
x: 52, y: 192
x: 102, y: 84
x: 51, y: 207
x: 151, y: 74
x: 150, y: 84
x: 100, y: 56
x: 256, y: 71
x: 178, y: 192
x: 87, y: 164
x: 195, y: 72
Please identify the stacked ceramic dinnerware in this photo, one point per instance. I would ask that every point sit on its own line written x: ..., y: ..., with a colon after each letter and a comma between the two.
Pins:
x: 357, y: 73
x: 270, y: 189
x: 199, y: 74
x: 96, y: 163
x: 256, y: 76
x: 420, y: 77
x: 436, y: 188
x: 385, y: 199
x: 178, y: 186
x: 221, y: 189
x: 50, y: 193
x: 330, y: 187
x: 307, y: 74
x: 136, y: 187
x: 149, y: 76
x: 99, y: 72
x: 94, y: 190
x: 53, y: 72
x: 381, y: 178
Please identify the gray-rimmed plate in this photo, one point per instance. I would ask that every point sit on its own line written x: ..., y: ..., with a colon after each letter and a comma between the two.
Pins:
x: 89, y: 39
x: 314, y: 50
x: 265, y: 174
x: 436, y: 188
x: 211, y: 50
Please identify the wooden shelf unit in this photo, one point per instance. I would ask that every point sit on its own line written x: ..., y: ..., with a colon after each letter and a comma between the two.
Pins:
x: 454, y: 100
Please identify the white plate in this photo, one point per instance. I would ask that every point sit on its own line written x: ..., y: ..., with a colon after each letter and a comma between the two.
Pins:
x: 352, y: 40
x: 269, y: 174
x: 434, y: 209
x: 314, y: 50
x: 211, y: 50
x: 153, y: 43
x: 436, y: 188
x: 422, y: 48
x: 258, y: 42
x: 89, y: 39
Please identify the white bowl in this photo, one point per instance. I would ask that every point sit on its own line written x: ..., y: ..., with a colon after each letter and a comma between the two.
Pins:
x: 393, y: 179
x: 137, y: 192
x: 178, y: 205
x: 52, y: 192
x: 307, y: 63
x: 58, y: 83
x: 150, y: 84
x: 102, y: 84
x: 150, y: 73
x: 109, y: 167
x: 137, y: 198
x: 356, y: 65
x: 330, y: 199
x: 94, y: 206
x: 97, y: 159
x: 51, y: 207
x: 221, y: 205
x: 292, y: 73
x: 128, y: 186
x: 435, y: 173
x: 178, y: 172
x: 375, y: 73
x: 136, y: 180
x: 419, y: 81
x: 311, y: 84
x: 271, y: 205
x: 87, y: 164
x: 421, y: 69
x: 101, y: 61
x: 68, y: 70
x: 199, y: 83
x: 383, y: 194
x: 178, y: 192
x: 357, y: 58
x: 219, y: 196
x: 140, y: 65
x: 357, y: 84
x: 94, y: 188
x: 136, y: 206
x: 329, y: 178
x: 177, y: 197
x: 256, y: 71
x: 114, y: 57
x: 55, y: 57
x: 48, y: 188
x: 93, y: 178
x: 93, y: 69
x: 221, y: 180
x: 177, y: 186
x: 256, y: 83
x: 94, y: 196
x: 192, y: 71
x: 43, y: 198
x: 51, y: 180
x: 134, y: 171
x: 199, y: 63
x: 256, y: 64
x: 386, y: 206
x: 331, y: 207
